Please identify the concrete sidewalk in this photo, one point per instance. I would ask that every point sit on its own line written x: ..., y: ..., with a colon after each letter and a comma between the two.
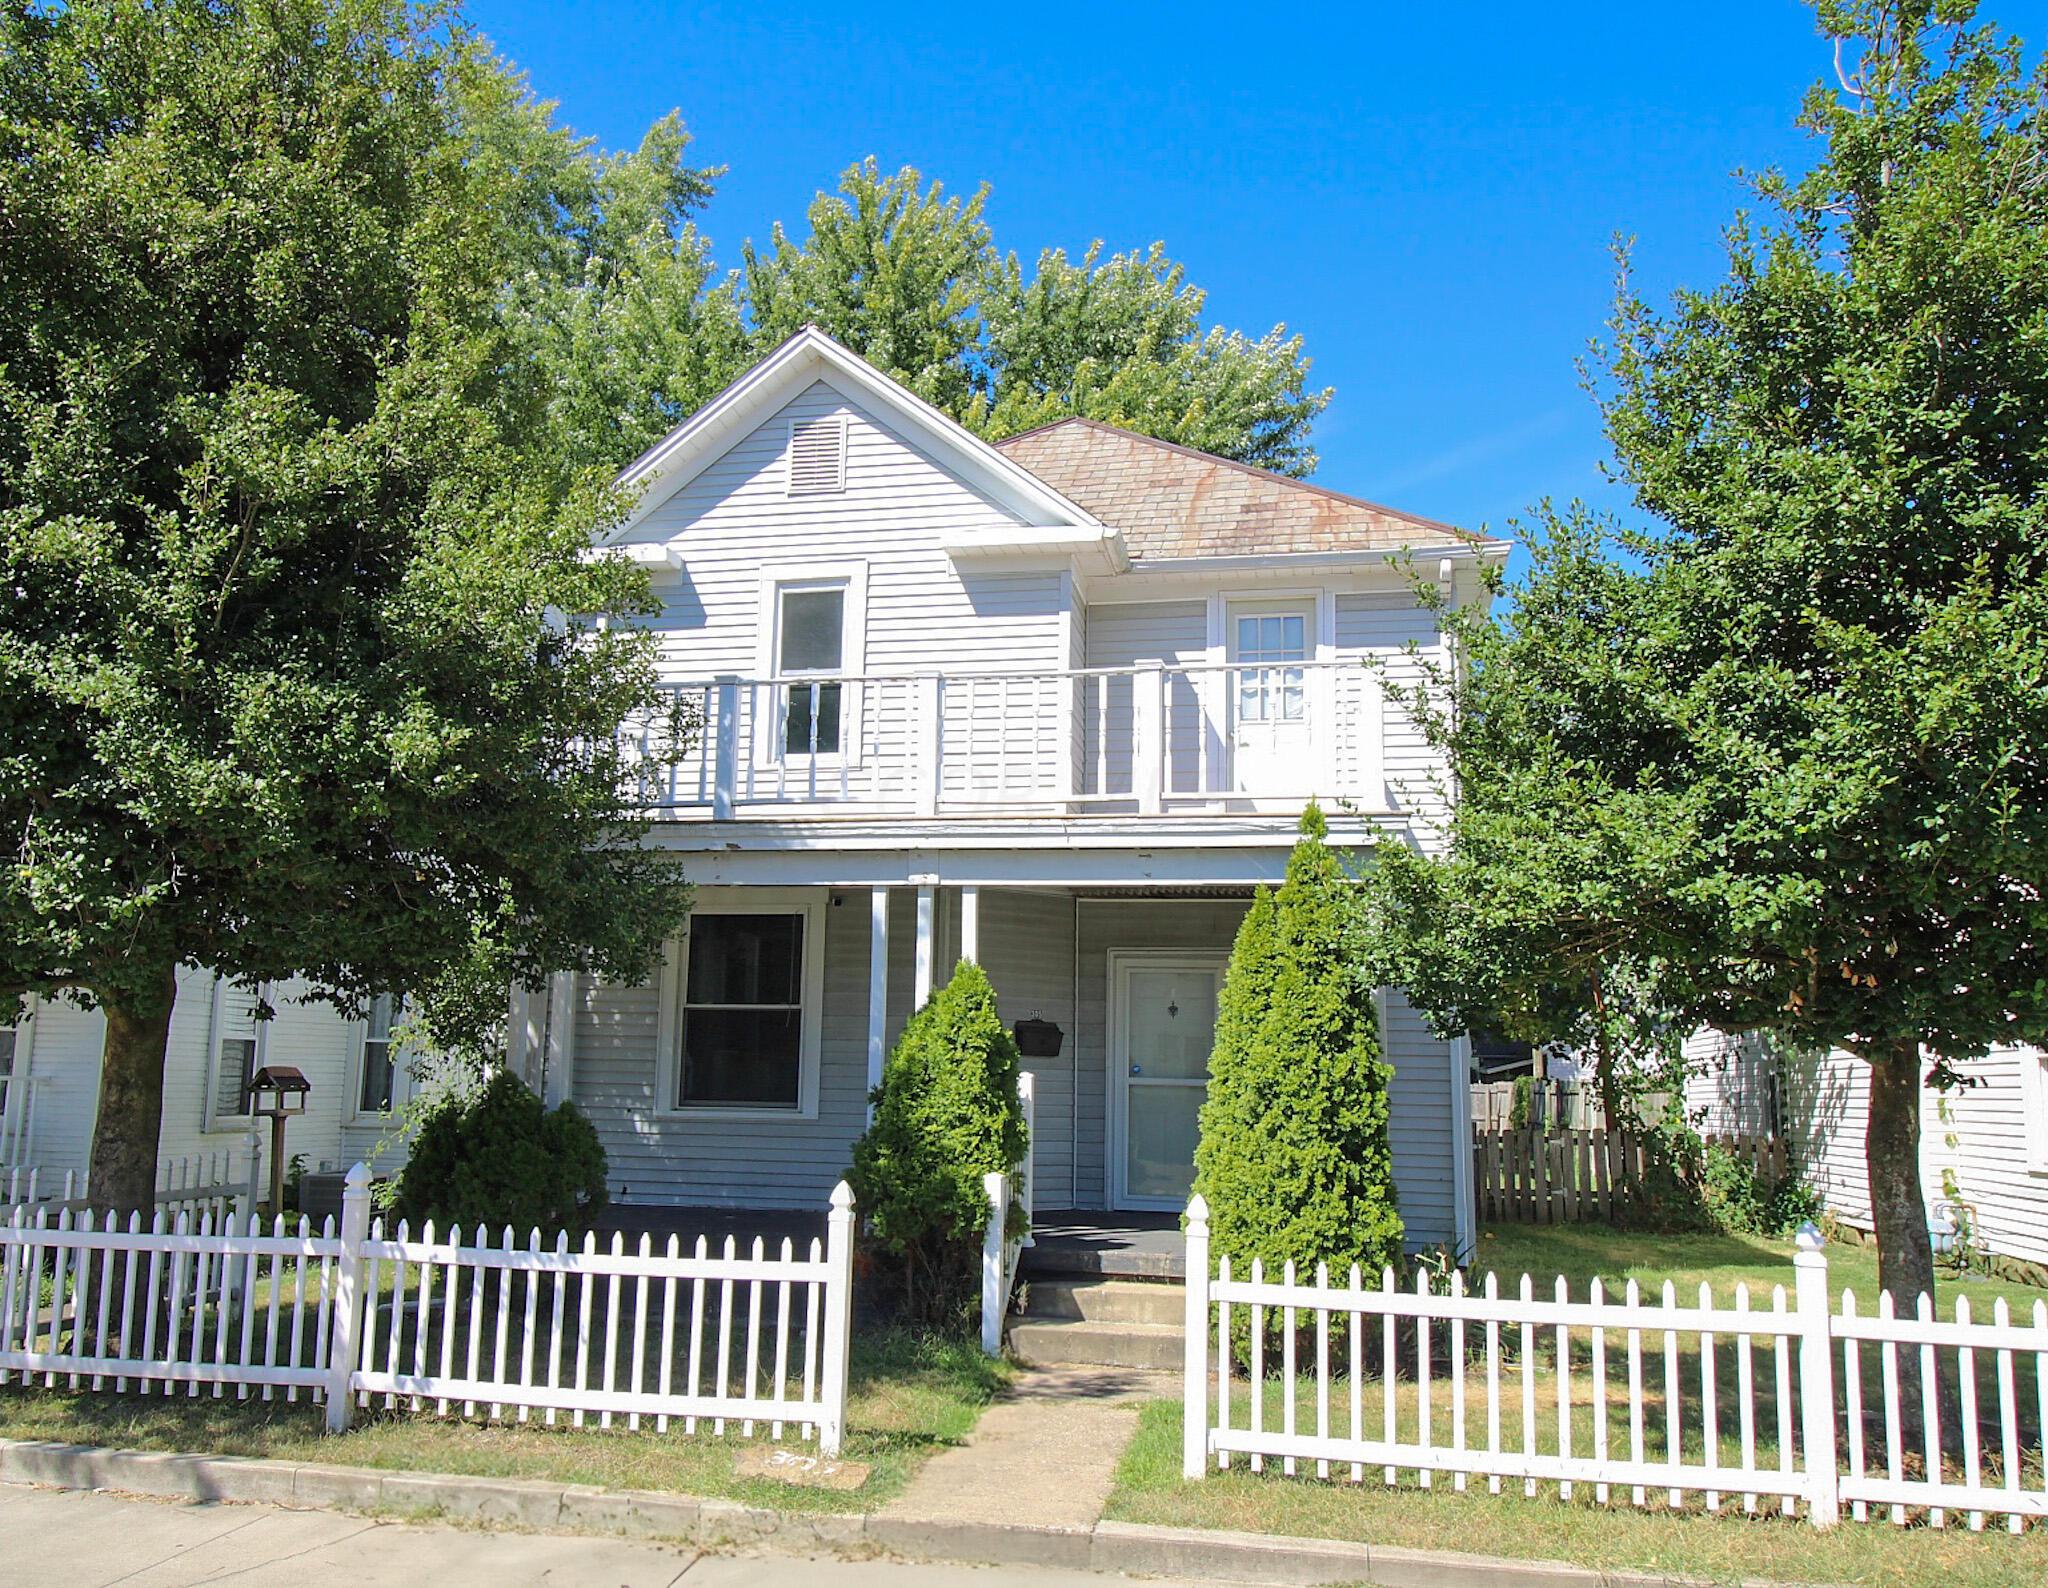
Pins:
x: 72, y: 1539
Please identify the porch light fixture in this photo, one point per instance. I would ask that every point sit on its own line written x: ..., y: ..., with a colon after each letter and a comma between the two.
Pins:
x: 278, y: 1092
x: 1038, y: 1039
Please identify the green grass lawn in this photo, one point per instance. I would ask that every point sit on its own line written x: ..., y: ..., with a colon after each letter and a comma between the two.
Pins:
x: 1580, y: 1251
x: 909, y: 1396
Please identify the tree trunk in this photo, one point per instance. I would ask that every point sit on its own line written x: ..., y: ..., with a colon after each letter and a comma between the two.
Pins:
x: 124, y: 1138
x: 1891, y: 1157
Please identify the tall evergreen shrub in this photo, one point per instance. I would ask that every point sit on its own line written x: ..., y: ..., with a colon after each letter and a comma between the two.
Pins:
x: 1295, y: 1159
x: 946, y: 1114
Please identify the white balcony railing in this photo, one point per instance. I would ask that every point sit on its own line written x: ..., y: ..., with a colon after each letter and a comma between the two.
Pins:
x: 1110, y: 740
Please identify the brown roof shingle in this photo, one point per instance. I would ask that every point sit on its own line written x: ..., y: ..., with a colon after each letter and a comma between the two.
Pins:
x: 1172, y: 501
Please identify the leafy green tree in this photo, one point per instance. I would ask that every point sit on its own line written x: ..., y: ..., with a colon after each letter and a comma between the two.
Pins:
x: 945, y: 1115
x: 1295, y: 1158
x: 284, y: 685
x: 1784, y: 754
x: 911, y: 280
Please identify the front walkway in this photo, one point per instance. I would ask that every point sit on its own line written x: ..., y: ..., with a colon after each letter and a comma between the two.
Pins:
x: 1045, y: 1453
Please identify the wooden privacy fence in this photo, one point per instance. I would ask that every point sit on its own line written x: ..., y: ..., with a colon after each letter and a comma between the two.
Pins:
x: 1793, y: 1406
x: 1534, y: 1176
x: 483, y: 1328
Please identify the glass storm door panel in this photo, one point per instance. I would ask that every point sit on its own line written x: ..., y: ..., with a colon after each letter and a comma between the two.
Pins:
x: 1269, y: 718
x: 1169, y: 1025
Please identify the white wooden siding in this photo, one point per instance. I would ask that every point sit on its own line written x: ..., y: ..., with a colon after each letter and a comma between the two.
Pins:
x: 1130, y: 634
x: 1027, y: 947
x: 1382, y: 626
x: 735, y: 525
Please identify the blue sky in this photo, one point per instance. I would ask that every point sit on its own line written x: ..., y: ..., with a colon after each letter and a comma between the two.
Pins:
x: 1427, y: 194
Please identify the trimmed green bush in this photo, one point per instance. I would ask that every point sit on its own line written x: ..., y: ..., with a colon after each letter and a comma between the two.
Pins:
x: 1295, y: 1158
x: 497, y: 1156
x: 946, y: 1114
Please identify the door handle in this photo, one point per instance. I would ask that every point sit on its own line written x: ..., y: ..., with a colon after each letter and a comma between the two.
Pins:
x: 1137, y: 1069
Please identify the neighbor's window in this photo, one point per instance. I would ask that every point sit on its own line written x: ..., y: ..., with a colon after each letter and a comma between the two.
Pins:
x: 811, y: 640
x: 1268, y: 690
x: 376, y: 1093
x: 237, y: 1063
x: 742, y: 1015
x: 7, y: 1040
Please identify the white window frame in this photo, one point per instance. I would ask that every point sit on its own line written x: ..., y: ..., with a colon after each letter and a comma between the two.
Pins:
x: 359, y: 1053
x: 852, y: 578
x: 2034, y: 1101
x: 14, y: 1103
x: 810, y: 903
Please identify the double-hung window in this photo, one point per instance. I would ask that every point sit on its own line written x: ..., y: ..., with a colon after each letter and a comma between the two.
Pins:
x: 10, y: 1045
x: 811, y: 653
x: 236, y: 1046
x: 743, y: 1012
x: 376, y: 1080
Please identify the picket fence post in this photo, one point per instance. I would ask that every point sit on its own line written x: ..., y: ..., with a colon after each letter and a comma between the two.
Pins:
x: 1194, y: 1416
x: 1816, y: 1378
x: 996, y: 1186
x: 345, y: 1341
x: 838, y: 1319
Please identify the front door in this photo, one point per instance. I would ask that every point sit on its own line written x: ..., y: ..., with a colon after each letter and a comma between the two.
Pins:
x: 1162, y: 1027
x: 1269, y: 727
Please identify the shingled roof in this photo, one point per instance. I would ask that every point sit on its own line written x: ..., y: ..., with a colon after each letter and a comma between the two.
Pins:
x: 1172, y: 501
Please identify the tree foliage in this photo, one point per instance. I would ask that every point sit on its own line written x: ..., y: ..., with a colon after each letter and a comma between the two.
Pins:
x: 945, y: 1115
x: 911, y: 279
x: 1783, y: 754
x: 284, y: 685
x: 1295, y: 1159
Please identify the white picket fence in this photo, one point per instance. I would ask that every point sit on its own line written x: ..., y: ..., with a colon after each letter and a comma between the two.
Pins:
x: 218, y: 1181
x: 492, y: 1329
x: 1788, y: 1406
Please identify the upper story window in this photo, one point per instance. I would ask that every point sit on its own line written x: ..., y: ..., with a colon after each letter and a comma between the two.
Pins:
x: 817, y: 455
x: 377, y: 1078
x: 1268, y: 689
x: 811, y: 640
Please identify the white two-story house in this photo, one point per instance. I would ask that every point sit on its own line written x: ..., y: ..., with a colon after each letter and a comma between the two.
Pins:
x: 1055, y: 705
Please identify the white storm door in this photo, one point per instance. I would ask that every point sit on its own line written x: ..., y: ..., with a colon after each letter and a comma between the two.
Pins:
x: 1161, y: 1030
x: 1268, y: 705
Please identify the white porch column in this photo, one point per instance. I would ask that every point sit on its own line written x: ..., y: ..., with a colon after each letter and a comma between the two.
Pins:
x: 970, y: 923
x: 926, y: 921
x: 878, y: 987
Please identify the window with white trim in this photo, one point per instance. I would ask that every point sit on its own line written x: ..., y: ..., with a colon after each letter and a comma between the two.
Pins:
x: 236, y: 1047
x: 2034, y: 1099
x: 9, y: 1045
x: 741, y: 1019
x: 236, y: 1064
x: 377, y: 1074
x: 810, y: 644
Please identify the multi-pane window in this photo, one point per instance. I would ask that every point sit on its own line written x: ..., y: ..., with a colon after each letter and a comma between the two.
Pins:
x: 742, y: 1012
x: 1268, y: 688
x: 811, y: 642
x: 7, y: 1049
x: 376, y: 1087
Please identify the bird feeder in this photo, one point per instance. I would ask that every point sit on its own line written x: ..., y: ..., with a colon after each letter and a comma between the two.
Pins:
x: 278, y: 1092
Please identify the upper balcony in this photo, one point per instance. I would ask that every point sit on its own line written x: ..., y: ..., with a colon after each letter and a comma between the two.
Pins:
x: 1151, y: 740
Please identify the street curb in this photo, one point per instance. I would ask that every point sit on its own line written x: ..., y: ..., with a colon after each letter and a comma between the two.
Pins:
x: 1126, y: 1547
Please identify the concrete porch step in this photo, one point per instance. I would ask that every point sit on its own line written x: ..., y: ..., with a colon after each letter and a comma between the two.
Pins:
x: 1078, y: 1342
x: 1062, y: 1298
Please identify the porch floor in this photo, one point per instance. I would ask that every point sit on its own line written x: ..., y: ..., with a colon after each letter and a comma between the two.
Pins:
x: 1113, y: 1245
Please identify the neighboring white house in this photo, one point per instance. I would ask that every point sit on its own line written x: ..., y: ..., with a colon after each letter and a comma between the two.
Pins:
x: 1983, y: 1145
x: 1054, y: 704
x: 50, y: 1078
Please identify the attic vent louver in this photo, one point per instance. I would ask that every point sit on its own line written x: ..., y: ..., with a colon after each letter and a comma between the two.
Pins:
x: 817, y: 456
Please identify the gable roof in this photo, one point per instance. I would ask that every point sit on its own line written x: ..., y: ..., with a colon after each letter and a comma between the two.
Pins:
x: 811, y: 356
x: 1172, y: 501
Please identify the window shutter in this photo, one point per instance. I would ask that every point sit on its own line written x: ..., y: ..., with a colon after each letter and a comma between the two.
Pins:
x: 817, y: 456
